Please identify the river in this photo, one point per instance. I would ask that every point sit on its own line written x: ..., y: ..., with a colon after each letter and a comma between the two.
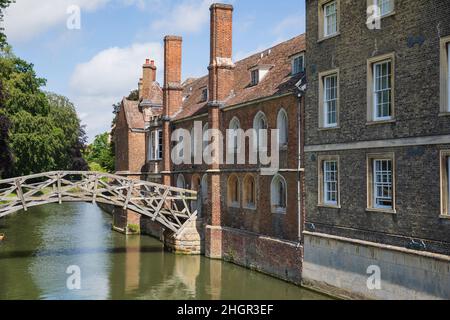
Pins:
x: 44, y: 242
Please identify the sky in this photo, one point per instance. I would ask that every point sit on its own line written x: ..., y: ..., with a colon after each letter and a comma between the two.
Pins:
x: 99, y: 60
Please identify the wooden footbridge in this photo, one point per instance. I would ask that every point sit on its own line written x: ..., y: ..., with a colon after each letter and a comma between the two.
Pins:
x: 169, y: 206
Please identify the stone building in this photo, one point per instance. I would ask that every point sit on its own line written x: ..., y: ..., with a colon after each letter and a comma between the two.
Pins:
x: 377, y: 147
x: 247, y: 217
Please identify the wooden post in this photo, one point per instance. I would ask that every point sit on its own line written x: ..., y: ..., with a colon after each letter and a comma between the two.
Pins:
x: 20, y: 194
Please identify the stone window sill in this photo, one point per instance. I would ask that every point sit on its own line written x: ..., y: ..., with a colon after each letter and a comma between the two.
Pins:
x: 329, y: 128
x: 234, y: 205
x: 329, y: 206
x: 444, y: 114
x: 329, y: 37
x: 386, y: 211
x: 250, y: 207
x: 444, y: 217
x: 374, y: 122
x: 278, y: 210
x: 390, y: 14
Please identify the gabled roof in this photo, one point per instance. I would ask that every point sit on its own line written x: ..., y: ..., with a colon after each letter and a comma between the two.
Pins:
x: 134, y: 118
x: 156, y: 96
x: 278, y: 81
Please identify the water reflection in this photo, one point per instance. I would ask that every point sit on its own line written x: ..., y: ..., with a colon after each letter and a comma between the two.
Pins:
x: 45, y: 241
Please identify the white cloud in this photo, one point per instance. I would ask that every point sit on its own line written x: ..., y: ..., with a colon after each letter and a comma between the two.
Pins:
x: 186, y: 16
x: 111, y: 74
x: 28, y: 18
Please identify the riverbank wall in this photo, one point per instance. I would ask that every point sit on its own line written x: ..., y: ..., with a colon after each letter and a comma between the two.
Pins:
x: 355, y: 269
x: 190, y: 241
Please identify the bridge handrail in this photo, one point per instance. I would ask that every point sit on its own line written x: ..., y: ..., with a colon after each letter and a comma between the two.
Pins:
x: 100, y: 175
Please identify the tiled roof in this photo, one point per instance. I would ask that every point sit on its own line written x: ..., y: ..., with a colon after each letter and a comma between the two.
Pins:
x: 135, y: 119
x: 156, y: 96
x: 278, y: 80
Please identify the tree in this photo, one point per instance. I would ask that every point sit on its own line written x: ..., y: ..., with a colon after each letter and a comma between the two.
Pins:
x: 5, y: 124
x: 45, y: 133
x: 100, y: 153
x: 3, y: 5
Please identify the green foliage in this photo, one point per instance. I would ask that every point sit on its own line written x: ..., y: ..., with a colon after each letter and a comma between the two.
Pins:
x: 3, y: 5
x: 45, y: 131
x: 100, y: 152
x: 134, y: 229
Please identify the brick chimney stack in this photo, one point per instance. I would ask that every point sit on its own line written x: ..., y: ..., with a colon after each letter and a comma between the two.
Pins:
x: 221, y: 82
x: 172, y: 97
x: 221, y: 67
x: 172, y: 75
x: 149, y: 76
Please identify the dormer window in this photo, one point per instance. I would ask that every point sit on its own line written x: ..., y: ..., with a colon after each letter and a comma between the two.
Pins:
x: 204, y: 95
x: 255, y: 77
x: 258, y: 73
x: 298, y: 64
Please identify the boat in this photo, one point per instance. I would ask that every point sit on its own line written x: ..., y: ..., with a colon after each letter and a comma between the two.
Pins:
x: 2, y: 237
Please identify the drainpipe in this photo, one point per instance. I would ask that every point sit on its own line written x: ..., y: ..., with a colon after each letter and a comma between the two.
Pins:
x: 301, y: 86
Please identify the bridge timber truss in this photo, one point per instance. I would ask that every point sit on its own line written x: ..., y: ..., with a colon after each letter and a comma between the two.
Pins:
x: 169, y: 206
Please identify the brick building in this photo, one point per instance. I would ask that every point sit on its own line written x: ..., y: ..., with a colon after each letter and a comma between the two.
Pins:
x: 377, y: 146
x: 249, y: 218
x: 135, y: 156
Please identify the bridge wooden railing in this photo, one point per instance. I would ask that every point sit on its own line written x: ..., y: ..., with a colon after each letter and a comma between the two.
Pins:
x: 169, y: 206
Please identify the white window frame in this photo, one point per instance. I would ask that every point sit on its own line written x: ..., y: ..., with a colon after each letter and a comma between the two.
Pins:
x: 383, y: 4
x: 383, y: 184
x: 151, y: 146
x: 328, y: 181
x: 326, y: 17
x: 155, y: 145
x: 159, y: 144
x: 373, y: 183
x: 372, y: 99
x: 295, y: 65
x: 445, y: 76
x: 254, y: 77
x: 323, y: 200
x: 376, y: 91
x: 448, y: 186
x: 327, y: 101
x: 445, y: 184
x: 205, y: 94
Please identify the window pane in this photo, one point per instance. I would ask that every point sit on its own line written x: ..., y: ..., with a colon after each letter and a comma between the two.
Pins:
x: 160, y: 144
x: 382, y: 90
x: 383, y: 184
x: 330, y: 18
x: 448, y: 76
x: 386, y: 6
x: 448, y: 185
x: 330, y: 101
x: 297, y: 65
x: 330, y: 183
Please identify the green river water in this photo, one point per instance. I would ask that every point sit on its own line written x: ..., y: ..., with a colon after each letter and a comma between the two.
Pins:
x: 44, y: 242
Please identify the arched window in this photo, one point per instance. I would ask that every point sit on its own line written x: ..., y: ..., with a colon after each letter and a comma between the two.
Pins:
x: 260, y: 123
x: 282, y: 126
x: 204, y: 188
x: 181, y: 183
x: 235, y: 125
x: 278, y: 196
x: 233, y: 191
x: 249, y: 192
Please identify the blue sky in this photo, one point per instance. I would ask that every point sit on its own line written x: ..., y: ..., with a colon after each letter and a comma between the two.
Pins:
x: 98, y: 64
